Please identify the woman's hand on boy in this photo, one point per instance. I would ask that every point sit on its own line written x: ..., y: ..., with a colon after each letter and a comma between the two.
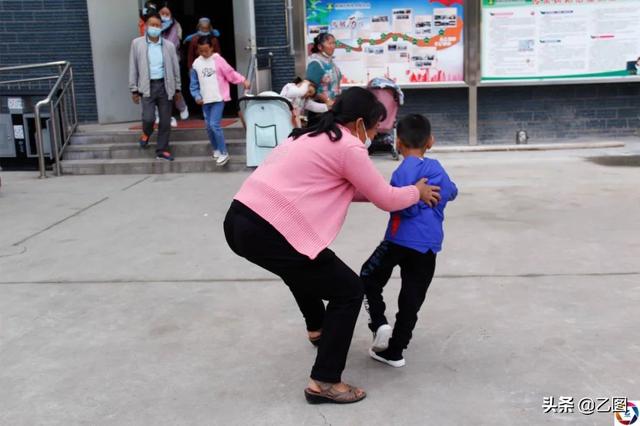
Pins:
x: 428, y: 193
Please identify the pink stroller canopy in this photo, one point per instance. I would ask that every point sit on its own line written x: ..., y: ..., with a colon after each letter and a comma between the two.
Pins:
x: 387, y: 97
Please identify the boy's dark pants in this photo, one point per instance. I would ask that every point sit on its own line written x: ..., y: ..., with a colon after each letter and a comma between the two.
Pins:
x: 416, y: 271
x: 158, y: 97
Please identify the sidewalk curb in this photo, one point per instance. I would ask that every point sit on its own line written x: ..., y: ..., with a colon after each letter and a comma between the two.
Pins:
x: 535, y: 147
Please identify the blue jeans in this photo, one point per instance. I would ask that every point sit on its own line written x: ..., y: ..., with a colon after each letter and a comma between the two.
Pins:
x: 212, y: 116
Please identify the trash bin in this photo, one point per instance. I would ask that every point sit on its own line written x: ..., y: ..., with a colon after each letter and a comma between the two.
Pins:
x: 268, y: 120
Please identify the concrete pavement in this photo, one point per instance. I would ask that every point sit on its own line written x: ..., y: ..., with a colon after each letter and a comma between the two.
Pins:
x: 120, y: 303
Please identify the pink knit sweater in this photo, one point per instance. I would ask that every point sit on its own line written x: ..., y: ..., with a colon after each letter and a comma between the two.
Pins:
x: 305, y: 186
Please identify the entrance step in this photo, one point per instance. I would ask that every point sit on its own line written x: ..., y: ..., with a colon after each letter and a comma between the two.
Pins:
x: 147, y: 166
x: 81, y: 137
x: 97, y: 150
x: 118, y: 151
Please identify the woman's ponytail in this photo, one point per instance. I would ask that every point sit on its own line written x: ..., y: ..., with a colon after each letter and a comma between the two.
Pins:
x: 326, y: 123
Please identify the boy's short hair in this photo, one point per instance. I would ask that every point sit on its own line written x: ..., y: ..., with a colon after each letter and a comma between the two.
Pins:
x: 414, y: 130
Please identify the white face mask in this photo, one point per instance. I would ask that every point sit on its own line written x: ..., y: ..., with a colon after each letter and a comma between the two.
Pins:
x: 367, y: 141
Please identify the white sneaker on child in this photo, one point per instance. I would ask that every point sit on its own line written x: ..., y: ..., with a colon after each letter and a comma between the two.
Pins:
x: 222, y: 160
x: 394, y: 363
x: 184, y: 115
x: 381, y: 338
x: 174, y: 122
x: 217, y: 154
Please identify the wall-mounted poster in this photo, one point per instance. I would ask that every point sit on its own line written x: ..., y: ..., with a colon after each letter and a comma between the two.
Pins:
x: 552, y: 39
x: 412, y: 42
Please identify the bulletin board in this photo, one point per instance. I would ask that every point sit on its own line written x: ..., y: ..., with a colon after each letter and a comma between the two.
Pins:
x: 551, y: 40
x: 412, y: 42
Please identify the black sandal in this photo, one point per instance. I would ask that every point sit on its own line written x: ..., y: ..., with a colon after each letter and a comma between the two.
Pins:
x: 328, y: 395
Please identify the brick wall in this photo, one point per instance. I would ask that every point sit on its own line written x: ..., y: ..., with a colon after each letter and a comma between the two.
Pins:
x: 271, y: 30
x: 447, y: 110
x: 33, y: 31
x: 553, y: 113
x: 547, y: 113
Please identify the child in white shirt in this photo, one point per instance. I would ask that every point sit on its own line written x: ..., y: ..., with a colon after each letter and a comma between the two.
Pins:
x: 301, y: 93
x: 210, y: 78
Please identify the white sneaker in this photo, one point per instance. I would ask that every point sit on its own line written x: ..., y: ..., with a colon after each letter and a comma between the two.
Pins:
x: 174, y: 122
x: 381, y: 338
x: 216, y: 154
x: 184, y: 115
x: 397, y: 364
x: 222, y: 160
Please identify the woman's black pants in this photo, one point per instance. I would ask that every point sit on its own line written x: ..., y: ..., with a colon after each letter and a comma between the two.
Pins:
x: 311, y: 281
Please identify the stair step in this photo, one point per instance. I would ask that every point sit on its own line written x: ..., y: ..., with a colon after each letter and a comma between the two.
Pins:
x: 150, y: 166
x: 132, y: 136
x: 110, y: 150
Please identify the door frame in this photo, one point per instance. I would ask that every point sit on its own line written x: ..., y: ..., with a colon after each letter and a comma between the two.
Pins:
x: 246, y: 47
x: 110, y: 44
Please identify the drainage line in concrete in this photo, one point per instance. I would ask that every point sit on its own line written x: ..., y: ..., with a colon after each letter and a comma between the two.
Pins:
x: 135, y: 183
x: 60, y: 221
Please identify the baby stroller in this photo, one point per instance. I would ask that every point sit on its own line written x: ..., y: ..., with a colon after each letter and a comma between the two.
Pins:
x: 268, y: 121
x: 391, y: 96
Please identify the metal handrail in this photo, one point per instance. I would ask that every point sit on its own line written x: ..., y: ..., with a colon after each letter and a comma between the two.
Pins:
x: 32, y: 66
x: 57, y: 151
x: 251, y: 74
x: 28, y: 80
x: 64, y: 85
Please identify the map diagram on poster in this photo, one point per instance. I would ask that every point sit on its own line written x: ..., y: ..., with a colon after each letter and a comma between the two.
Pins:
x: 539, y: 40
x: 412, y: 42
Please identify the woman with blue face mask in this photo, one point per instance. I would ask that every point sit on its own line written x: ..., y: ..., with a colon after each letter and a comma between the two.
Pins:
x: 172, y: 31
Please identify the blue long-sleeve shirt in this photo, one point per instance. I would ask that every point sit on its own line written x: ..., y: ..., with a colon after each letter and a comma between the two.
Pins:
x: 419, y: 227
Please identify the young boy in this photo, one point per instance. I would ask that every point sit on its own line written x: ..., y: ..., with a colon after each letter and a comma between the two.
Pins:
x: 413, y: 238
x: 154, y: 79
